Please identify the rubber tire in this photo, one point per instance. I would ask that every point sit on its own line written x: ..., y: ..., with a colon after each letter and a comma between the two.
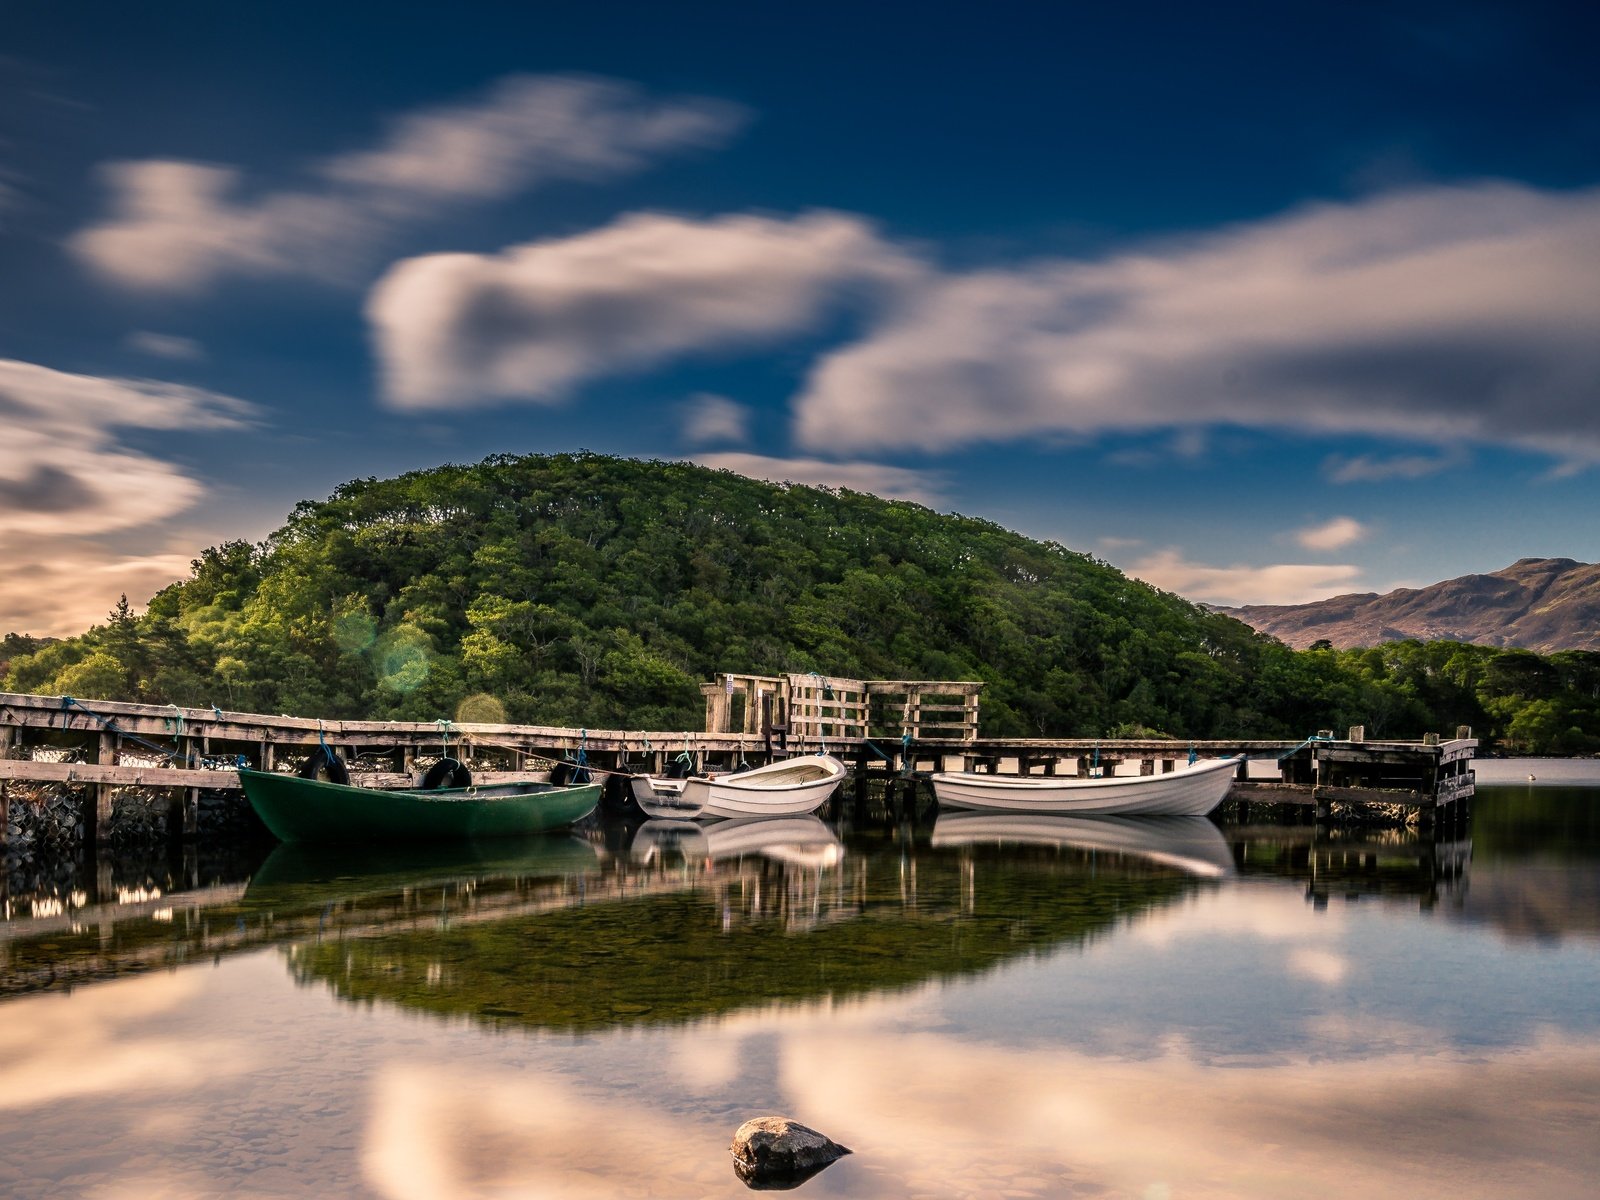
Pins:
x: 617, y: 795
x: 677, y: 769
x: 323, y: 764
x: 446, y: 773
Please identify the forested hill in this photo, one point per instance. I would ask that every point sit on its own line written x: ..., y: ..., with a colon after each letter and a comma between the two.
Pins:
x: 584, y: 590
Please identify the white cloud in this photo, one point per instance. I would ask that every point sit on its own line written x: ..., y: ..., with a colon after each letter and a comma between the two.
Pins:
x: 165, y: 345
x: 1456, y: 314
x: 534, y: 321
x: 179, y: 226
x: 893, y: 483
x: 66, y: 479
x: 59, y: 586
x: 1331, y: 535
x: 709, y: 418
x: 1278, y: 583
x: 1365, y: 468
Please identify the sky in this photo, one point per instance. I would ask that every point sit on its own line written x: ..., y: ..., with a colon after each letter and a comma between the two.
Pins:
x: 1259, y: 302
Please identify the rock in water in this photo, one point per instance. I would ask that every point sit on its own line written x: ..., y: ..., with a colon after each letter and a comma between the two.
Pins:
x: 775, y: 1152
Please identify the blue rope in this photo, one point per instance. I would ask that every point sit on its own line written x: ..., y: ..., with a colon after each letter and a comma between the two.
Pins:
x: 1315, y: 737
x: 1193, y: 757
x: 321, y: 741
x: 580, y: 761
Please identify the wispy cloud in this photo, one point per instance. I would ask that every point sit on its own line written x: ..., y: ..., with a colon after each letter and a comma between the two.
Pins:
x: 67, y: 478
x: 893, y: 483
x: 181, y: 226
x: 165, y: 345
x: 1331, y: 535
x: 534, y: 321
x: 709, y: 419
x: 1454, y: 314
x: 1367, y: 468
x: 1275, y: 583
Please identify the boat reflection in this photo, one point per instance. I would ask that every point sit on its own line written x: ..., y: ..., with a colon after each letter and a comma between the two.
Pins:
x: 301, y: 872
x: 1192, y: 845
x: 799, y: 841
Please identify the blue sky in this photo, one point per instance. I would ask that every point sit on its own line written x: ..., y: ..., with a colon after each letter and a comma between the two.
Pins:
x: 1260, y: 302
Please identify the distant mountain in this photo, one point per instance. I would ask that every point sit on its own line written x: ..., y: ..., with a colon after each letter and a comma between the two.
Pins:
x: 1542, y: 604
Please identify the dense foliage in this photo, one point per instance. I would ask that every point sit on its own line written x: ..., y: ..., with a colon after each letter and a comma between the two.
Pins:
x: 584, y: 590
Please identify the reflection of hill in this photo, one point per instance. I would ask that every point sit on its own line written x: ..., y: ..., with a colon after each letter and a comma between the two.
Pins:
x: 1536, y: 873
x: 1533, y: 900
x: 296, y: 892
x: 1356, y: 863
x: 740, y: 936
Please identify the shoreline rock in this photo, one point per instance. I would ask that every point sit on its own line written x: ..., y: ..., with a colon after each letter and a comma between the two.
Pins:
x: 775, y: 1153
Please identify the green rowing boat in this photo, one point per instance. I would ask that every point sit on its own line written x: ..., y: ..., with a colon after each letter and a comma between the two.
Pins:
x: 315, y: 810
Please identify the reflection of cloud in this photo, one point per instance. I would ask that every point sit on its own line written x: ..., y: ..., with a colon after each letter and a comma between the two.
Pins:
x: 1331, y: 535
x: 1324, y: 966
x: 534, y: 321
x: 1462, y: 313
x: 436, y: 1132
x: 893, y: 483
x: 88, y: 1044
x: 1260, y: 914
x: 178, y: 226
x: 1402, y: 1125
x: 1276, y: 583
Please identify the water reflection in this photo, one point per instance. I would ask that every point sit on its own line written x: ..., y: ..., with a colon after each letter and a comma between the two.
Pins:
x: 1192, y: 845
x: 800, y: 841
x: 1017, y: 1010
x: 701, y: 920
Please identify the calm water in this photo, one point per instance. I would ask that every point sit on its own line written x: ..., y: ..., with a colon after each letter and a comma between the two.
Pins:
x: 979, y: 1007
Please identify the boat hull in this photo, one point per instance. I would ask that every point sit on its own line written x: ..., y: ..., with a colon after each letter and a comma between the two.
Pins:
x: 311, y: 810
x: 1192, y: 791
x: 765, y: 792
x: 668, y: 799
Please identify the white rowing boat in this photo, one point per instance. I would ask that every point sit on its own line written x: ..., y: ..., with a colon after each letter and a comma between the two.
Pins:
x: 1190, y: 791
x: 790, y: 787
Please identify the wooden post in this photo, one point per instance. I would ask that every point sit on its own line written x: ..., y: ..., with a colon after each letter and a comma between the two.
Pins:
x: 96, y: 804
x: 5, y: 820
x: 1358, y: 733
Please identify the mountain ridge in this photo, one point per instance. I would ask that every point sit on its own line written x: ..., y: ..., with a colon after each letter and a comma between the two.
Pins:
x: 1540, y: 604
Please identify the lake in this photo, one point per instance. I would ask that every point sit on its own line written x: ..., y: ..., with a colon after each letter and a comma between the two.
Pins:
x: 978, y: 1006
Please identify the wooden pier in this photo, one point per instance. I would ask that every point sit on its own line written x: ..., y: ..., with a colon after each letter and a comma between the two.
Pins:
x: 887, y: 728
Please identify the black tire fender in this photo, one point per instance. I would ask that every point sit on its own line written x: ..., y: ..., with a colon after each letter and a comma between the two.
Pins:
x: 322, y: 763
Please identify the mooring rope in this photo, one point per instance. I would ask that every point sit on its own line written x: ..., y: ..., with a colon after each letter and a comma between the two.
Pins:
x: 109, y: 724
x: 1315, y: 737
